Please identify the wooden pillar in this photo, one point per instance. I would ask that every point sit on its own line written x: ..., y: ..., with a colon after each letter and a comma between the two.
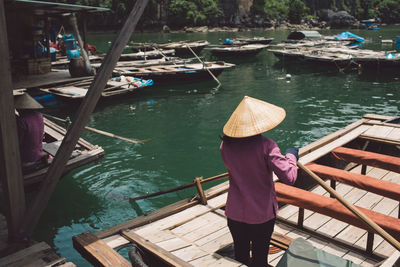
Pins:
x: 10, y: 162
x: 84, y: 31
x: 202, y: 196
x: 82, y: 116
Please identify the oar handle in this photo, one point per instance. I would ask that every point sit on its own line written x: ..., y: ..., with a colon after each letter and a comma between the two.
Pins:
x: 352, y: 208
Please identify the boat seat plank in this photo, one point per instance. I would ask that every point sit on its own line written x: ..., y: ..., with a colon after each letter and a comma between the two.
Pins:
x: 370, y: 184
x: 312, y: 156
x: 159, y: 252
x: 208, y: 260
x: 368, y: 158
x: 217, y: 201
x: 97, y: 252
x: 116, y: 241
x: 173, y: 244
x: 332, y: 207
x: 378, y: 131
x: 155, y: 235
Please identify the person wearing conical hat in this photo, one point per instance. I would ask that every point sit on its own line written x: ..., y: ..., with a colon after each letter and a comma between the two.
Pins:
x: 251, y: 159
x: 30, y: 126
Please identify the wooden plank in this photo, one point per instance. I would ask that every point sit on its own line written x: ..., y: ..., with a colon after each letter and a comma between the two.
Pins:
x: 378, y: 131
x: 322, y: 151
x: 10, y: 161
x: 23, y: 254
x: 155, y: 250
x: 173, y: 244
x: 208, y: 260
x: 329, y: 138
x: 86, y: 108
x: 189, y: 253
x: 116, y: 241
x: 97, y: 252
x: 163, y: 212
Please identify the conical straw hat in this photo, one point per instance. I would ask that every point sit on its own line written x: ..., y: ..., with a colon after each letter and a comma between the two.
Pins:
x: 25, y: 101
x: 252, y: 117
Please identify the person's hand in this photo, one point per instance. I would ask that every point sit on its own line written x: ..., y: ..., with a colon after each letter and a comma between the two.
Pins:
x: 294, y: 151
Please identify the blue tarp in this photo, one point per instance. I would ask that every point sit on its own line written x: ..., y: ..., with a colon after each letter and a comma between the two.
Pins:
x: 349, y: 36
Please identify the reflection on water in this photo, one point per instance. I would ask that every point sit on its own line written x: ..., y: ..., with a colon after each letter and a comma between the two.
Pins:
x: 183, y: 122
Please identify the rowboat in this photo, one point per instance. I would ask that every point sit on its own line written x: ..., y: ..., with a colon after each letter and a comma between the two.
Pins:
x: 83, y: 153
x: 242, y: 50
x: 116, y: 86
x: 176, y: 73
x: 154, y: 53
x: 182, y: 48
x: 249, y: 40
x: 361, y: 161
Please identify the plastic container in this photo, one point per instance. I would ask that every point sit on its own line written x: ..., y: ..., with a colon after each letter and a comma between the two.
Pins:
x: 70, y: 42
x: 74, y: 53
x: 398, y: 43
x: 53, y: 54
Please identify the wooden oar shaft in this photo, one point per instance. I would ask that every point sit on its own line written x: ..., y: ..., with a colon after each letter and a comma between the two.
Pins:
x: 212, y: 74
x: 352, y: 208
x: 220, y: 176
x: 101, y: 132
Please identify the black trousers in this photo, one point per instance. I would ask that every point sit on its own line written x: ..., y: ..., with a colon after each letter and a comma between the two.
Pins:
x: 259, y: 235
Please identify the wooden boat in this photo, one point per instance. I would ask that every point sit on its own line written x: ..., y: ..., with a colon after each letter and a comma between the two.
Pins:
x: 150, y: 62
x: 117, y: 86
x: 290, y: 54
x: 181, y: 48
x: 323, y: 57
x: 194, y: 232
x: 250, y: 40
x: 242, y: 50
x: 151, y: 54
x: 176, y: 73
x: 83, y: 153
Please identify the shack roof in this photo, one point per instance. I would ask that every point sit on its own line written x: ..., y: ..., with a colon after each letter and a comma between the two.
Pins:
x: 299, y: 35
x: 49, y: 8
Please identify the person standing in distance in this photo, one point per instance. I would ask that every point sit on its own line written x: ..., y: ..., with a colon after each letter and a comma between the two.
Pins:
x: 251, y: 159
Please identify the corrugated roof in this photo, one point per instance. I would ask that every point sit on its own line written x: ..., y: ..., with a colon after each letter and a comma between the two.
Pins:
x: 49, y: 8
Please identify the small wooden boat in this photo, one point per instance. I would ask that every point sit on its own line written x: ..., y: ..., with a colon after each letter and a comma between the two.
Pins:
x: 149, y: 62
x: 323, y: 57
x: 362, y: 161
x: 117, y: 86
x: 83, y: 153
x: 287, y: 54
x: 176, y: 73
x: 150, y: 54
x: 242, y: 50
x: 249, y: 40
x: 182, y: 48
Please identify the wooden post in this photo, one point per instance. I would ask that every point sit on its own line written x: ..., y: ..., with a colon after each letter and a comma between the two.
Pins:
x: 74, y: 23
x: 84, y: 31
x: 203, y: 199
x: 85, y: 109
x: 10, y: 161
x: 300, y: 218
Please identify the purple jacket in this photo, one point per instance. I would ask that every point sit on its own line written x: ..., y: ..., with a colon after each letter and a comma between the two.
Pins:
x: 30, y: 132
x: 251, y: 162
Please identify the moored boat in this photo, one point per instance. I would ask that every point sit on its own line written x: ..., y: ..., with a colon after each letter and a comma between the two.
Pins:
x: 242, y: 50
x: 176, y: 73
x: 362, y: 159
x: 83, y: 153
x: 116, y: 86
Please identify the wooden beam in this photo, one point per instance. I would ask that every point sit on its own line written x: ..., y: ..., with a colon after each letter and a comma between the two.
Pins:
x: 83, y: 114
x: 162, y: 254
x: 97, y: 252
x: 10, y: 161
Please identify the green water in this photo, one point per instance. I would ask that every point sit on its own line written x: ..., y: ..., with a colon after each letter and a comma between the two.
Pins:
x: 183, y: 121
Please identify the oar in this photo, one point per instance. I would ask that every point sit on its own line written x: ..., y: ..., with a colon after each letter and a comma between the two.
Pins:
x: 212, y: 75
x: 101, y: 132
x: 352, y: 208
x: 181, y: 187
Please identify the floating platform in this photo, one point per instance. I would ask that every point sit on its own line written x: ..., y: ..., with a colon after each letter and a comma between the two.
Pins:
x: 194, y: 232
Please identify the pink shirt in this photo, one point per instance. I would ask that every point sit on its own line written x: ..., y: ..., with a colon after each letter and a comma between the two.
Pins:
x: 251, y: 162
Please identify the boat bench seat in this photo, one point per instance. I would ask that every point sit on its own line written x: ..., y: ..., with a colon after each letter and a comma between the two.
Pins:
x: 367, y: 183
x: 332, y: 207
x: 386, y: 162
